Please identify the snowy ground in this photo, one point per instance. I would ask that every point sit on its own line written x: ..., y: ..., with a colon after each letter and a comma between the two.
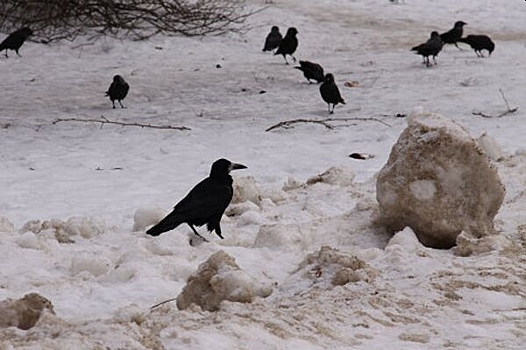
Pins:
x: 92, y: 180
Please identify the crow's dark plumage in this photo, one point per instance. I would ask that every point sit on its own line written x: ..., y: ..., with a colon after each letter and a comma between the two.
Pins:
x: 118, y: 90
x: 15, y: 40
x: 430, y: 48
x: 204, y: 204
x: 288, y: 45
x: 479, y: 43
x: 312, y: 71
x: 273, y: 39
x: 453, y: 36
x: 330, y: 93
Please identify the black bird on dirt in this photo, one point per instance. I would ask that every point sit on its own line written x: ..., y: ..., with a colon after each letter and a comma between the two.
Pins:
x: 273, y: 39
x: 430, y: 48
x: 15, y: 40
x: 479, y: 43
x: 204, y: 204
x: 453, y: 36
x: 330, y: 93
x: 312, y: 71
x: 118, y: 90
x: 288, y: 45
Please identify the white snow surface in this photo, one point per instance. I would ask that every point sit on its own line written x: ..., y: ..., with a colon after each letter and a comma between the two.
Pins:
x: 76, y: 197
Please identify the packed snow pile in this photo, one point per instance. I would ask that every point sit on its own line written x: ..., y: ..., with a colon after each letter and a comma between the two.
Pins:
x: 217, y: 279
x: 64, y: 231
x: 439, y: 182
x: 24, y: 313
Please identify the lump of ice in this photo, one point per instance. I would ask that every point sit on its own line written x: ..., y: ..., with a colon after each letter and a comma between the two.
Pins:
x: 339, y: 176
x: 217, y: 279
x: 95, y: 265
x: 6, y: 226
x: 246, y: 189
x: 23, y: 313
x: 438, y: 181
x: 63, y: 230
x: 145, y: 217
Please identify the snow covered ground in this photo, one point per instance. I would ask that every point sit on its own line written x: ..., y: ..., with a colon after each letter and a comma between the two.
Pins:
x: 70, y: 190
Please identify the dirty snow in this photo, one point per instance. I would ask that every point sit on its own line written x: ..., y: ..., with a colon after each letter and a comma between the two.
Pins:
x: 76, y: 197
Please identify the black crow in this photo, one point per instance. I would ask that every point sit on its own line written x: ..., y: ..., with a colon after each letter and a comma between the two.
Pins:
x: 430, y: 48
x: 204, y: 204
x: 288, y: 45
x: 330, y: 92
x: 479, y: 43
x: 15, y: 40
x: 311, y: 70
x: 273, y: 39
x: 453, y: 35
x: 118, y: 90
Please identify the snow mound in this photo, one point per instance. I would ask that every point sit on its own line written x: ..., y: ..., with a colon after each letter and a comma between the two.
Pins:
x: 145, y: 217
x: 63, y: 230
x: 24, y: 313
x: 490, y: 147
x: 438, y: 181
x: 246, y: 189
x: 95, y: 265
x: 340, y: 176
x: 327, y: 268
x: 217, y: 279
x: 6, y: 226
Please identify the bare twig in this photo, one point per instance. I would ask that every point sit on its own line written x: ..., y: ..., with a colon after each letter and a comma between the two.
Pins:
x: 105, y: 120
x: 506, y: 112
x: 325, y: 122
x: 162, y: 303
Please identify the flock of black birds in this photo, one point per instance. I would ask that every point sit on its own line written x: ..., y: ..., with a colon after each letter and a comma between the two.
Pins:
x: 453, y: 36
x: 312, y: 71
x: 208, y: 200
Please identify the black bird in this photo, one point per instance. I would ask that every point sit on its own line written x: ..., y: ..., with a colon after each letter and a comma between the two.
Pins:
x: 273, y: 39
x: 479, y: 43
x: 288, y: 45
x: 453, y: 35
x: 430, y: 48
x: 118, y: 90
x: 15, y: 40
x: 311, y: 70
x: 330, y: 92
x: 204, y: 204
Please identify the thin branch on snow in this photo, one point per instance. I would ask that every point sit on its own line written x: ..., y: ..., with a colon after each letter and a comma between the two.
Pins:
x: 162, y: 303
x: 105, y: 120
x: 506, y: 112
x: 325, y: 122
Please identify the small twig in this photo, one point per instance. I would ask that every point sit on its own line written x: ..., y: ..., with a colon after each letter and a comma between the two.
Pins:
x: 506, y: 112
x: 325, y: 122
x: 105, y: 120
x: 162, y: 303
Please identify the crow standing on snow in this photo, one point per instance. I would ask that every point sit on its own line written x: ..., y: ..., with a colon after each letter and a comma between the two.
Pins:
x: 205, y: 204
x: 118, y: 90
x: 453, y: 35
x: 330, y: 92
x: 288, y: 45
x: 15, y: 40
x: 479, y: 43
x: 273, y: 39
x: 430, y: 48
x: 311, y: 70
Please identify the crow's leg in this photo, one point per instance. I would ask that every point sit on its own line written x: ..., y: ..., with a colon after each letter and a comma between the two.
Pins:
x: 331, y: 111
x: 120, y: 103
x: 458, y: 47
x: 19, y: 55
x: 195, y: 231
x: 285, y: 57
x: 6, y: 54
x: 435, y: 60
x: 113, y: 102
x: 293, y: 58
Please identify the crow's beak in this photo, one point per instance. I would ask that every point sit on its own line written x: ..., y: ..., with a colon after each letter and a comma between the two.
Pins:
x: 235, y: 166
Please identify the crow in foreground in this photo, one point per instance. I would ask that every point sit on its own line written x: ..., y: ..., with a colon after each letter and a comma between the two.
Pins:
x: 453, y: 35
x: 205, y: 204
x: 288, y: 45
x: 273, y: 39
x: 311, y: 70
x: 118, y: 90
x: 479, y: 43
x: 15, y: 40
x: 430, y: 48
x: 330, y: 92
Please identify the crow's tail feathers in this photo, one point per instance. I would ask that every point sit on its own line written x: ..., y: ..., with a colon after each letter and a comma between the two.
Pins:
x: 168, y: 223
